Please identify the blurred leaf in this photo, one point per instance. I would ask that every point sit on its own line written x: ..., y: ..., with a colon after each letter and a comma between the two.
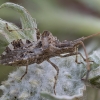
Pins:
x: 93, y: 4
x: 5, y: 36
x: 26, y: 20
x: 53, y: 16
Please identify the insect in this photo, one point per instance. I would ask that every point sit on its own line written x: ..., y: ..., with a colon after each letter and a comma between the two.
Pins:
x: 23, y: 52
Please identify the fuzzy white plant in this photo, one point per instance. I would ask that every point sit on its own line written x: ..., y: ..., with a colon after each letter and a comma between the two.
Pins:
x: 39, y: 81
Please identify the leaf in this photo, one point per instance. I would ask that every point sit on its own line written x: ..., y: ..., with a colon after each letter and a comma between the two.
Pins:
x: 26, y: 20
x: 5, y: 36
x: 39, y: 81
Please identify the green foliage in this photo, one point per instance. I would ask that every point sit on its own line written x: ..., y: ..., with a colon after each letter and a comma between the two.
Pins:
x: 27, y: 21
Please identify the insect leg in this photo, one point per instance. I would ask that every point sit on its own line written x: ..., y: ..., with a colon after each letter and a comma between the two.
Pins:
x: 74, y: 53
x: 76, y: 59
x: 70, y: 54
x: 82, y: 58
x: 25, y: 71
x: 87, y: 60
x: 56, y: 77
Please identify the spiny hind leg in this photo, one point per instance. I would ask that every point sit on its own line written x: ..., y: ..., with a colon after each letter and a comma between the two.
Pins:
x: 56, y: 77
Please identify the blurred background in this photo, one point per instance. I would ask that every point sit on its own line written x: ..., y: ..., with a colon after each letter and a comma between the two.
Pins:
x: 66, y: 19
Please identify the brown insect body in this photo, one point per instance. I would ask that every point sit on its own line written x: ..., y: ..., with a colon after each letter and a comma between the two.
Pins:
x: 25, y: 52
x: 35, y: 52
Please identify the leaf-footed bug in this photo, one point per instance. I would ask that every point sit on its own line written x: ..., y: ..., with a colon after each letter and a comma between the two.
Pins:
x: 23, y: 52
